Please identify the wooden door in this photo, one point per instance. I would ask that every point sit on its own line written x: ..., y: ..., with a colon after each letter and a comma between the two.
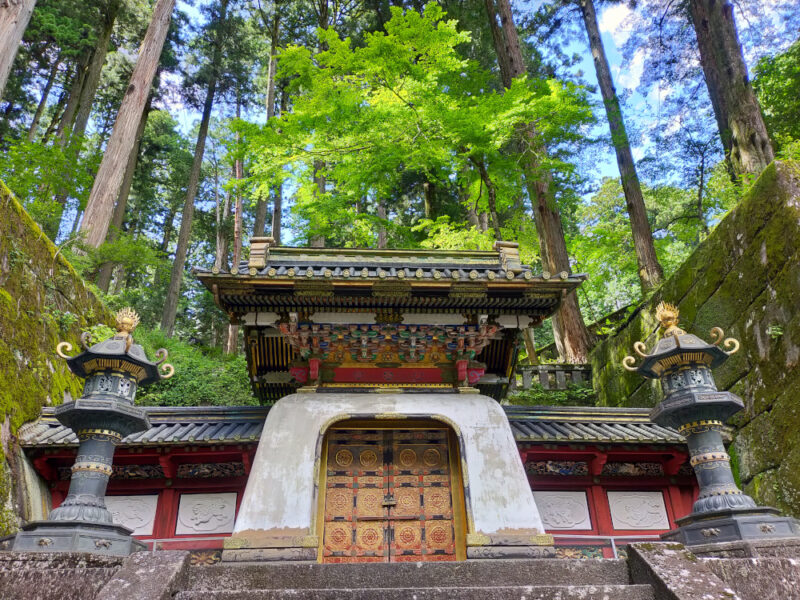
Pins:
x: 388, y: 496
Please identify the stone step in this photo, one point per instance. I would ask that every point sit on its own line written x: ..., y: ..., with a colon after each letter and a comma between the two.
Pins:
x: 500, y: 572
x: 542, y: 592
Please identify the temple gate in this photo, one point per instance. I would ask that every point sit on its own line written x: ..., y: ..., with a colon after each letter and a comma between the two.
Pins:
x: 415, y: 347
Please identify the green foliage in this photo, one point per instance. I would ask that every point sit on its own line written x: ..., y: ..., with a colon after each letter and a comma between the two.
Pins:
x: 38, y: 173
x: 603, y: 244
x: 99, y: 332
x: 405, y: 102
x: 203, y: 376
x: 442, y: 233
x: 777, y: 84
x: 63, y: 319
x: 574, y: 395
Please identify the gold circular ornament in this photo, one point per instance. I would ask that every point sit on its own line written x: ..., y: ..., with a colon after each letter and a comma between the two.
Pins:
x: 437, y: 500
x: 344, y: 458
x: 473, y: 274
x: 431, y: 457
x: 369, y: 537
x: 438, y: 535
x: 408, y: 535
x: 407, y: 457
x: 368, y: 458
x: 491, y: 275
x: 338, y: 536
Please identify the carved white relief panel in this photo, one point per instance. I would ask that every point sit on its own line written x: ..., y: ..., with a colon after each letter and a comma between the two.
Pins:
x: 638, y: 510
x: 206, y: 513
x: 563, y: 510
x: 134, y: 512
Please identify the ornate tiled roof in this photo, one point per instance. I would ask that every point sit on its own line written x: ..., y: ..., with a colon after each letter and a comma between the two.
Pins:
x: 236, y: 425
x: 587, y: 424
x: 280, y: 278
x: 344, y: 286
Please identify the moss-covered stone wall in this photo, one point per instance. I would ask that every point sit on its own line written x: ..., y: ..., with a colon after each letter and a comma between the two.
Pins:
x: 744, y: 278
x: 43, y: 300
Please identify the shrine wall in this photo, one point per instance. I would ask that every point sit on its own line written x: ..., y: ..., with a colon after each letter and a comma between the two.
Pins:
x: 744, y: 278
x: 43, y: 300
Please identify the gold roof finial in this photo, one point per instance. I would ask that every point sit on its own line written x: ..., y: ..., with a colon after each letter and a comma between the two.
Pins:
x: 667, y: 314
x: 127, y: 320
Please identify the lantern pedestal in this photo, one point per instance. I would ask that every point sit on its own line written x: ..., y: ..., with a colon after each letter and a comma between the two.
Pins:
x: 733, y: 525
x: 101, y: 418
x: 77, y: 536
x: 683, y: 364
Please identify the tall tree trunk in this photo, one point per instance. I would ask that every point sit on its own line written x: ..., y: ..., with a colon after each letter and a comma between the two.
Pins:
x: 261, y: 206
x: 428, y: 192
x: 221, y: 256
x: 100, y: 207
x: 176, y: 276
x: 499, y: 42
x: 277, y: 210
x: 43, y: 99
x: 741, y: 126
x: 55, y: 119
x: 14, y: 17
x: 233, y: 328
x: 277, y: 203
x: 318, y: 241
x: 76, y: 221
x: 168, y: 228
x: 73, y: 99
x: 491, y: 195
x: 381, y: 229
x: 107, y: 268
x: 650, y: 272
x: 98, y: 59
x: 573, y: 339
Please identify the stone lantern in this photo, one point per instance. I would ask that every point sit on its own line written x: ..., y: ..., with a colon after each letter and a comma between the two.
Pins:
x: 101, y: 418
x: 682, y: 362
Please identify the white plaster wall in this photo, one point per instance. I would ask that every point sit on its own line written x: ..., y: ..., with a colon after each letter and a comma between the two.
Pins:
x: 280, y: 489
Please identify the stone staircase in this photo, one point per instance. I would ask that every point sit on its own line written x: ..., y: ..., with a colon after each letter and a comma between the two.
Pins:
x: 540, y: 579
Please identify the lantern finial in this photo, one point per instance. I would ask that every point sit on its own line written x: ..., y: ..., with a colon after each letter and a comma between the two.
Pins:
x: 667, y: 314
x: 127, y: 320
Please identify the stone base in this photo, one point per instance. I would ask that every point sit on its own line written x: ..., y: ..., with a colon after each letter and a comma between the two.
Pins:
x: 776, y: 548
x: 270, y: 554
x: 733, y: 525
x: 70, y: 536
x: 494, y: 552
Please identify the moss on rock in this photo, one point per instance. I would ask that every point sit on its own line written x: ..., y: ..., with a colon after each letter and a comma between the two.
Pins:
x: 43, y: 300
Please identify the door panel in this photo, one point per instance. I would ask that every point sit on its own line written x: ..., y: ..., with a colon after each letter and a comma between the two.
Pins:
x: 388, y: 496
x: 421, y: 524
x: 355, y: 519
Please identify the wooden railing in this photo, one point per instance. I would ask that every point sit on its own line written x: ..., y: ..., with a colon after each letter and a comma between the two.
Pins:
x: 555, y: 377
